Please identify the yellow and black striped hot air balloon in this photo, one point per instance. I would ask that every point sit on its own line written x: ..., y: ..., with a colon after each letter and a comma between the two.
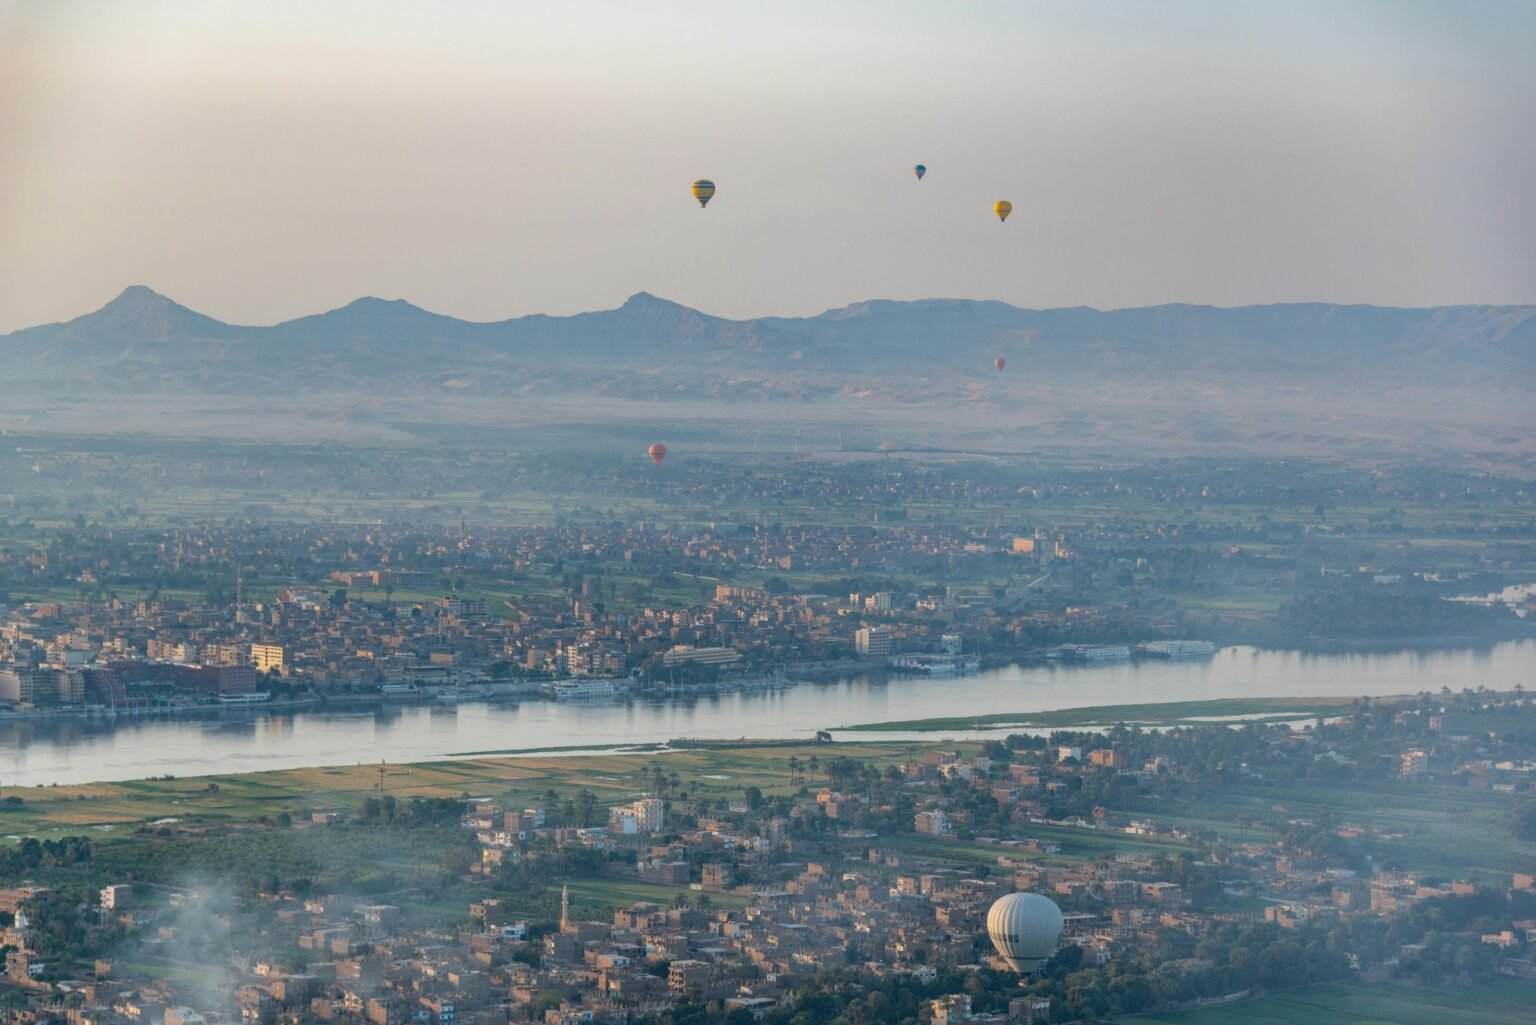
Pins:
x: 1002, y: 208
x: 703, y: 190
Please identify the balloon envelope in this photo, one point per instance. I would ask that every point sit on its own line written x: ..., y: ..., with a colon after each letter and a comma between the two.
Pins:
x: 1024, y: 928
x: 999, y: 363
x: 657, y: 452
x: 703, y: 190
x: 1002, y: 208
x: 919, y: 170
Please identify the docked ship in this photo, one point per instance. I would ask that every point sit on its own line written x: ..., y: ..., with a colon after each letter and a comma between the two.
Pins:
x: 453, y: 695
x: 935, y: 665
x: 581, y: 689
x: 773, y: 679
x: 1093, y: 654
x: 950, y: 660
x: 1183, y: 650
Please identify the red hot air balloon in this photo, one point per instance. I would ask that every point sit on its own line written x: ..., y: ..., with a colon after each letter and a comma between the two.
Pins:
x: 657, y: 452
x: 999, y: 363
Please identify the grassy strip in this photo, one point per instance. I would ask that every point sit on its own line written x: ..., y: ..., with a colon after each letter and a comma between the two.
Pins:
x: 1173, y: 713
x: 509, y: 752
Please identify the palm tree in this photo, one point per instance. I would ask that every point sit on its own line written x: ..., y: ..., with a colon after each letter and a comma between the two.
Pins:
x: 586, y: 806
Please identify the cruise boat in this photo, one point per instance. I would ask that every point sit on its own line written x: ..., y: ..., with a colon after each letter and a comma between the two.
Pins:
x: 1093, y: 653
x: 453, y: 695
x: 581, y: 689
x: 1177, y: 649
x: 935, y: 665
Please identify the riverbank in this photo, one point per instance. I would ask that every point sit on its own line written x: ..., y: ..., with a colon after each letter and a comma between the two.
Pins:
x: 723, y: 766
x: 792, y: 675
x: 364, y: 729
x: 104, y: 713
x: 1173, y: 713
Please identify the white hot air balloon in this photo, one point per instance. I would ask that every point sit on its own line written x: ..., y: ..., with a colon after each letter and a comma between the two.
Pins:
x: 1024, y: 928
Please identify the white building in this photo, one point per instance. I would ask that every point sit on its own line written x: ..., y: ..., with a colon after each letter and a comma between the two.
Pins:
x: 872, y: 640
x: 647, y: 815
x: 700, y: 656
x: 44, y: 685
x: 466, y: 608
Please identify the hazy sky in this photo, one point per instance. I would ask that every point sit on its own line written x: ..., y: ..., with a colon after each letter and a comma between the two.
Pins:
x: 265, y: 160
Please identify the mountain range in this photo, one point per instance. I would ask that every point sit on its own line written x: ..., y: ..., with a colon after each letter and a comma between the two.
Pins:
x: 143, y: 341
x: 1361, y: 383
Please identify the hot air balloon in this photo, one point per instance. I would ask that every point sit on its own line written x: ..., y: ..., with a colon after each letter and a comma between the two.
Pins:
x: 1024, y: 928
x: 657, y: 452
x: 1002, y: 208
x: 919, y: 170
x: 999, y: 363
x: 703, y: 190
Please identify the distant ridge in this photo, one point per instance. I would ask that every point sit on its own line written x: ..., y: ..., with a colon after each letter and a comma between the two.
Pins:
x: 650, y: 347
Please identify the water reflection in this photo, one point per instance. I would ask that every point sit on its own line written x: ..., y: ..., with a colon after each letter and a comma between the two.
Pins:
x: 78, y: 750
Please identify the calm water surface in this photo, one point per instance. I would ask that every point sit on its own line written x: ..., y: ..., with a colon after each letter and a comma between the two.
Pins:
x: 74, y: 751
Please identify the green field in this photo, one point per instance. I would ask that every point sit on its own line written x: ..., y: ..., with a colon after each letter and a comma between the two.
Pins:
x: 105, y: 808
x: 1076, y: 845
x: 1503, y: 1002
x: 601, y: 893
x: 590, y: 899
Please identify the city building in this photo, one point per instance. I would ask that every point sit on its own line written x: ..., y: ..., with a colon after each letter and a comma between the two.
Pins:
x: 874, y: 641
x: 684, y: 655
x: 646, y: 815
x: 266, y: 657
x: 116, y: 898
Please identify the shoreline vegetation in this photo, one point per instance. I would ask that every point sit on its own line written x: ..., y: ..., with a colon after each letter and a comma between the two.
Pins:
x: 1216, y: 712
x: 727, y: 764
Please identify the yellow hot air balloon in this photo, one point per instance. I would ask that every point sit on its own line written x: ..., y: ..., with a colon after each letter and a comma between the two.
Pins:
x: 1002, y: 208
x: 703, y: 189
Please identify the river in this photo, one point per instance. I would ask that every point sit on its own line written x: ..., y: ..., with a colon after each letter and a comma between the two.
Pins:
x: 36, y: 752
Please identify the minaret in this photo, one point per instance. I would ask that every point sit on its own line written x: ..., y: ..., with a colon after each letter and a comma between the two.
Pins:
x: 565, y: 907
